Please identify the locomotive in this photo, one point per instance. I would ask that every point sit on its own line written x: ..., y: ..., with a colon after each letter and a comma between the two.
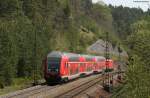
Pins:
x: 62, y: 67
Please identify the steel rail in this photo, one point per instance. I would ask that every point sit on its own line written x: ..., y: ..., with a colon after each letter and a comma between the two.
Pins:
x: 30, y: 92
x: 81, y: 88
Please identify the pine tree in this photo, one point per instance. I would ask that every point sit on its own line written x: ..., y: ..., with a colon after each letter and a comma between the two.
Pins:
x: 6, y: 55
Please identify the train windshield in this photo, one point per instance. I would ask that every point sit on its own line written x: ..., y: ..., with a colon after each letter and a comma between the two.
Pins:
x: 53, y: 65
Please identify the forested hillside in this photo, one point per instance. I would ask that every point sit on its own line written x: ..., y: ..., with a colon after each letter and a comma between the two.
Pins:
x: 29, y: 29
x: 133, y: 25
x: 123, y: 18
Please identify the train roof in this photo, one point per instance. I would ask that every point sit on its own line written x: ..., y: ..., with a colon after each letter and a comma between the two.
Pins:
x: 60, y: 54
x: 99, y: 57
x: 73, y: 56
x: 54, y: 54
x: 88, y: 57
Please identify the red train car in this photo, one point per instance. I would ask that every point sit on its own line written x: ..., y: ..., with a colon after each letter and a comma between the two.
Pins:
x: 99, y: 64
x: 59, y: 66
x: 109, y: 65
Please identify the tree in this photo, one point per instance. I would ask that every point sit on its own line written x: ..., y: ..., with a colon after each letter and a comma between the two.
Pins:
x: 7, y: 54
x: 123, y: 18
x: 138, y: 71
x: 9, y: 8
x: 139, y: 41
x: 30, y: 29
x: 136, y: 81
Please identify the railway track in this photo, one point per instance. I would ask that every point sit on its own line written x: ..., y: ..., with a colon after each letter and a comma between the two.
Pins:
x: 29, y: 92
x: 81, y: 88
x: 40, y: 91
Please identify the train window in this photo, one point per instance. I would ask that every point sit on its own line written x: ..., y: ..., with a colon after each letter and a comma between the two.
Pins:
x: 71, y: 71
x: 89, y: 59
x: 53, y: 65
x: 54, y: 59
x: 74, y: 59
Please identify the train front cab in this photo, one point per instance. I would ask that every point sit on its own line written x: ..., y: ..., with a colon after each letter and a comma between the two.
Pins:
x: 109, y: 65
x: 52, y: 72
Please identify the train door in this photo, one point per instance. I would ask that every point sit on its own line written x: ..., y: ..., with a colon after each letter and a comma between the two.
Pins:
x: 71, y: 68
x: 91, y: 64
x: 81, y: 67
x: 76, y: 67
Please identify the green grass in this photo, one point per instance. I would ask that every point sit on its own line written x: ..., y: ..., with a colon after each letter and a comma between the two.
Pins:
x: 19, y: 83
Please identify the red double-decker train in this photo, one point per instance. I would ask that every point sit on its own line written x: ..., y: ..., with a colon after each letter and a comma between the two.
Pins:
x: 59, y: 66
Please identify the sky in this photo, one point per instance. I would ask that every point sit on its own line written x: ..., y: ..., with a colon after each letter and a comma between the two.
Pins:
x: 128, y: 3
